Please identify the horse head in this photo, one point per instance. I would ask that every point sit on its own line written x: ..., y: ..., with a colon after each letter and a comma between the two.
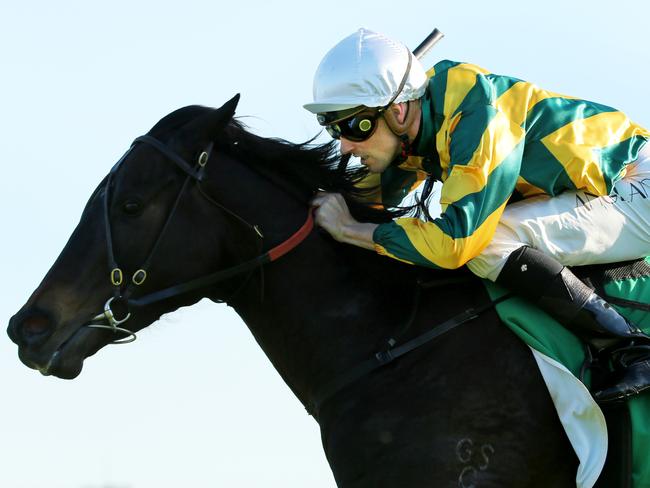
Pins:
x: 145, y: 228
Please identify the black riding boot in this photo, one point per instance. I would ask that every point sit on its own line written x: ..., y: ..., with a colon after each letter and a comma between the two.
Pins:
x: 562, y: 295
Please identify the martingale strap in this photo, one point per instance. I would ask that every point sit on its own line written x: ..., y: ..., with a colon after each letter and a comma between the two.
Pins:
x: 382, y: 358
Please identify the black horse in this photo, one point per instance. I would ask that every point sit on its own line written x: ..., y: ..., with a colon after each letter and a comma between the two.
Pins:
x: 469, y: 409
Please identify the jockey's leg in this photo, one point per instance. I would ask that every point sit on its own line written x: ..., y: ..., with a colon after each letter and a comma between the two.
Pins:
x: 575, y: 228
x: 561, y: 294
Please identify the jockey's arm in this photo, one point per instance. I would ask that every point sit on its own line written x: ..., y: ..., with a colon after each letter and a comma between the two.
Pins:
x: 485, y: 150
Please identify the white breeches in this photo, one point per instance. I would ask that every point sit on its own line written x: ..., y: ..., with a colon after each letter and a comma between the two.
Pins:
x: 577, y: 228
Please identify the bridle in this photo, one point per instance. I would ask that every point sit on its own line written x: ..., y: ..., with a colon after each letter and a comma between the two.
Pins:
x: 123, y: 289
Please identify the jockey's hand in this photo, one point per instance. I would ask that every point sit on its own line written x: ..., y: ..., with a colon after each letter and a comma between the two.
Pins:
x: 333, y: 215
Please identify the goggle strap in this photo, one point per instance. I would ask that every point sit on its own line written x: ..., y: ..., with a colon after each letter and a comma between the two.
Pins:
x: 345, y: 114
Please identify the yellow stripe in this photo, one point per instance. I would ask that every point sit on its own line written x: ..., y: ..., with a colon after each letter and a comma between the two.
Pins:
x: 517, y: 101
x: 527, y: 189
x: 382, y: 250
x: 575, y: 146
x: 462, y: 181
x: 412, y: 163
x: 460, y: 80
x: 498, y: 141
x: 442, y: 142
x: 444, y: 251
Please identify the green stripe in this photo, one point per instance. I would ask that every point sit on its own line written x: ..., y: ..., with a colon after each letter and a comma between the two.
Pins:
x: 486, y: 90
x: 501, y: 84
x: 462, y: 218
x: 469, y: 133
x: 480, y: 94
x: 393, y: 238
x: 438, y: 88
x: 430, y: 122
x: 614, y: 158
x: 444, y: 65
x: 550, y: 114
x: 542, y: 169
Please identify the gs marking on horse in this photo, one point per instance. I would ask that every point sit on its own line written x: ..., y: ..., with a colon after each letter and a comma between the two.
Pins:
x: 474, y: 458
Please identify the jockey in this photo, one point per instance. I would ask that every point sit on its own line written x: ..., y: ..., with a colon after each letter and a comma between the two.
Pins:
x: 580, y: 170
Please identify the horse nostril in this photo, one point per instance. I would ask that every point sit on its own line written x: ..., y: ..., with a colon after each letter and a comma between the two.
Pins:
x: 30, y: 329
x: 35, y: 325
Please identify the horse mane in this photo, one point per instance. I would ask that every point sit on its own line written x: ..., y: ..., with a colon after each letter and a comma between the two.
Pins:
x: 313, y: 167
x: 302, y: 168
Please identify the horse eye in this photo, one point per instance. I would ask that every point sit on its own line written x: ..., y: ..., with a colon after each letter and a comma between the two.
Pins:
x: 132, y: 207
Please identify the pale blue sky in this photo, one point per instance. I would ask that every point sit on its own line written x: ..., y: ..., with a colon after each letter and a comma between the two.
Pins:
x: 194, y: 402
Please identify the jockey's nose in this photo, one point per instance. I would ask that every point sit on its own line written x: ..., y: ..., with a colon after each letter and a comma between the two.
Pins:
x: 346, y: 146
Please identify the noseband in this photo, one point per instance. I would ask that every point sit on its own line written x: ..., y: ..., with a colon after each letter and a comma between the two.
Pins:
x: 123, y: 289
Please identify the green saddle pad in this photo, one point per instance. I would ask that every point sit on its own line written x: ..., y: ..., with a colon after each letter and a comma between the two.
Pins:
x: 629, y: 292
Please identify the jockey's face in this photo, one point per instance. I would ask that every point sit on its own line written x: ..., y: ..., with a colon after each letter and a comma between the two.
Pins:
x: 376, y: 152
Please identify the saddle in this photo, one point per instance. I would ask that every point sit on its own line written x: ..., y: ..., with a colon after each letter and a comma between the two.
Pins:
x: 626, y: 286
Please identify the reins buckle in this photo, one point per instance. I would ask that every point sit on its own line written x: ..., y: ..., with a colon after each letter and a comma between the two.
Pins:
x: 385, y: 357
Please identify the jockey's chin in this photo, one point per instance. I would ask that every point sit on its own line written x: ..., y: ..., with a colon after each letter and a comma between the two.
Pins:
x: 375, y: 165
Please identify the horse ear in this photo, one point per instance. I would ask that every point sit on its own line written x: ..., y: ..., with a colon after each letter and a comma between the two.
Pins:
x: 221, y: 116
x: 231, y: 105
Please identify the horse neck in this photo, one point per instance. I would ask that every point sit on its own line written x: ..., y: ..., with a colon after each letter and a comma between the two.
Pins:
x: 322, y: 312
x: 325, y: 305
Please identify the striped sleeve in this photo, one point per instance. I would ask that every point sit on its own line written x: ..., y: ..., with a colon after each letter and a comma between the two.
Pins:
x: 485, y: 150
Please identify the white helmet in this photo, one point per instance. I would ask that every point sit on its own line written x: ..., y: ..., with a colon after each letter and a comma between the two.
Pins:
x: 366, y: 68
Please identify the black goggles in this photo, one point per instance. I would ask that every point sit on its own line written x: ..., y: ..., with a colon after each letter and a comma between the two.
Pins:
x: 356, y: 124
